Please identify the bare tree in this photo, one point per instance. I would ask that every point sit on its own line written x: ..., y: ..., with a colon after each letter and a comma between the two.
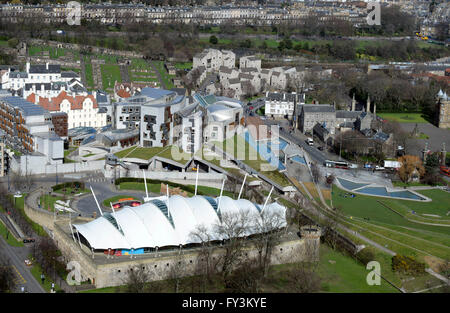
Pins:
x: 7, y: 277
x: 231, y: 184
x: 268, y: 227
x: 191, y: 79
x: 315, y: 172
x: 303, y: 276
x: 330, y: 227
x: 137, y: 279
x: 176, y: 272
x: 246, y: 278
x: 205, y: 263
x: 233, y: 227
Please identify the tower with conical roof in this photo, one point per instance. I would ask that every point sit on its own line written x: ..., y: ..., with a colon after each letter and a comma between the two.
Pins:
x: 443, y: 102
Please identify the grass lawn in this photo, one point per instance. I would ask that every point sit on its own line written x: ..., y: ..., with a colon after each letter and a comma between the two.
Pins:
x: 114, y: 199
x: 423, y: 136
x: 252, y: 158
x: 182, y: 66
x: 403, y: 117
x: 369, y: 207
x: 66, y: 154
x: 312, y: 190
x: 392, y: 229
x: 411, y: 184
x: 36, y: 271
x: 156, y: 188
x: 110, y: 74
x: 174, y: 153
x: 70, y: 191
x: 166, y: 78
x: 347, y: 274
x: 147, y: 153
x: 139, y: 153
x: 19, y: 204
x: 10, y: 240
x: 48, y: 201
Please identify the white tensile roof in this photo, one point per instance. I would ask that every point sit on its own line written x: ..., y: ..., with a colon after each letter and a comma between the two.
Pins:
x: 149, y: 225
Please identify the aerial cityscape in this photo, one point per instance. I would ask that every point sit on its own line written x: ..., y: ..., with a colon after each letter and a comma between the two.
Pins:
x: 224, y: 147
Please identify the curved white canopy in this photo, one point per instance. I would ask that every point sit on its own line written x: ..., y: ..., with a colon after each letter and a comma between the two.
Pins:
x: 151, y: 225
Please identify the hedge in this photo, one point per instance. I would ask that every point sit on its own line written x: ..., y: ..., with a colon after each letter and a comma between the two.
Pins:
x: 75, y: 184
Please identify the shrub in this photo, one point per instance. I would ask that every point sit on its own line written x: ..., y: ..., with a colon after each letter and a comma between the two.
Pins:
x: 407, y: 265
x: 75, y: 184
x: 365, y: 256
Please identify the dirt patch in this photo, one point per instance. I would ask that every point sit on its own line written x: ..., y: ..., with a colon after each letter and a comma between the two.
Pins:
x: 435, y: 263
x: 326, y: 194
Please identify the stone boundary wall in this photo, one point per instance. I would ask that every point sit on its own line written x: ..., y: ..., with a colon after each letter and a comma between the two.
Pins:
x: 159, y: 265
x: 94, y: 49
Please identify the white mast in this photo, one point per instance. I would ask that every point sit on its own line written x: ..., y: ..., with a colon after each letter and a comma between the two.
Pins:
x: 196, y: 181
x: 71, y: 229
x: 242, y: 187
x: 95, y: 198
x: 145, y: 183
x: 168, y: 205
x: 267, y: 200
x: 220, y: 197
x: 114, y: 213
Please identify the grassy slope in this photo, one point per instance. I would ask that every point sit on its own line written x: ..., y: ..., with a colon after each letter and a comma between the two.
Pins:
x: 403, y: 117
x: 392, y: 230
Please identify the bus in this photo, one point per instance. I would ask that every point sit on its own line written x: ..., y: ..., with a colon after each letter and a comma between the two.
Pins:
x: 337, y: 164
x: 445, y: 170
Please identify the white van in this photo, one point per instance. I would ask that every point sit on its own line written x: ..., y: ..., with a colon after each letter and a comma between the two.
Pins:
x: 310, y: 141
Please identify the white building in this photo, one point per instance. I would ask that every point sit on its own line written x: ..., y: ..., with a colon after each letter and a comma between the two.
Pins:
x: 212, y: 59
x: 250, y: 62
x: 188, y: 128
x: 151, y: 111
x: 281, y: 105
x: 35, y: 74
x: 82, y: 110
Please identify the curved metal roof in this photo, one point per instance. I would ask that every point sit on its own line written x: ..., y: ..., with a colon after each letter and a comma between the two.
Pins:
x: 168, y: 222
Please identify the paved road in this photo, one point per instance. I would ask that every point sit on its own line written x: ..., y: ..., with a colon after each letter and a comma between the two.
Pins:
x: 103, y: 190
x: 16, y: 257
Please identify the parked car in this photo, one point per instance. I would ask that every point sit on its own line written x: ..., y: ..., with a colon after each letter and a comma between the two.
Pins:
x: 28, y: 240
x: 379, y: 168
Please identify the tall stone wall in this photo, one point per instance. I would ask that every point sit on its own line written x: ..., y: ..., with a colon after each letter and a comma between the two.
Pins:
x: 105, y: 272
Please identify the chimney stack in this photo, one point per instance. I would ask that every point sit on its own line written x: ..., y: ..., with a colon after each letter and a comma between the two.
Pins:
x: 46, y: 65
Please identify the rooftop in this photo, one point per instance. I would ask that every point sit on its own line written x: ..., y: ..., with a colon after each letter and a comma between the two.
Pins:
x: 26, y: 107
x: 320, y: 108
